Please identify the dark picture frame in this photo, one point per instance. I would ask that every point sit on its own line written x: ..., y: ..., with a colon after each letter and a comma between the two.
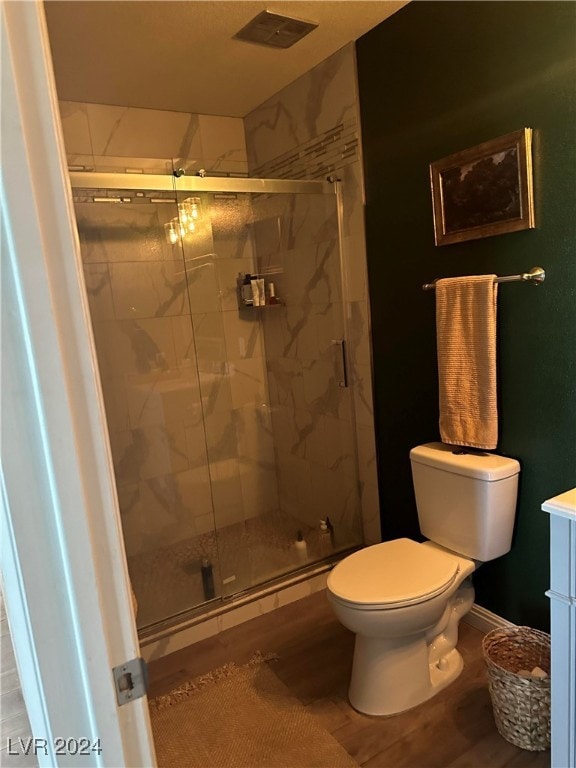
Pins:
x: 484, y: 191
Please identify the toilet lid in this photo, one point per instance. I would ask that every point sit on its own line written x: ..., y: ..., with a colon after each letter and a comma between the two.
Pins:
x: 393, y: 574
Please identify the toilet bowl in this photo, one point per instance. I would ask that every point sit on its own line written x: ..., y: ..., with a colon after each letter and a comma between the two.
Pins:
x: 404, y: 601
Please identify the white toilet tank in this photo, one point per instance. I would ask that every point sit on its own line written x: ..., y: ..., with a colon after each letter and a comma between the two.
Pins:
x: 466, y: 501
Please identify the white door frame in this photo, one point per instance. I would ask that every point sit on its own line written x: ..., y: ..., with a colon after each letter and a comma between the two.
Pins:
x: 64, y: 573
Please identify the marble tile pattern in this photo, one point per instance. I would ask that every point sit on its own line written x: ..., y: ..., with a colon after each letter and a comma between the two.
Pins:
x: 118, y: 139
x: 218, y: 416
x: 316, y: 158
x: 201, y: 415
x: 296, y: 239
x: 315, y: 109
x: 310, y: 130
x: 183, y: 372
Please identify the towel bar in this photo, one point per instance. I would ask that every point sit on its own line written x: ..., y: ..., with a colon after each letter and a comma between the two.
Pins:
x: 536, y: 275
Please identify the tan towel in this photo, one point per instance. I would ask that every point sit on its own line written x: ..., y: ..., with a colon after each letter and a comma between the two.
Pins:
x: 466, y: 331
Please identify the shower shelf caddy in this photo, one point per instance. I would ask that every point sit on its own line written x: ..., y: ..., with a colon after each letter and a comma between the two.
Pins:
x: 248, y: 304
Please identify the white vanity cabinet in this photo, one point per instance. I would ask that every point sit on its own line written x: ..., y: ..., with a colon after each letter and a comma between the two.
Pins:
x: 562, y: 594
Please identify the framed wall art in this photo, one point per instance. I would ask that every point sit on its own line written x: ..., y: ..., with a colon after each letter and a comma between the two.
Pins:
x: 483, y: 191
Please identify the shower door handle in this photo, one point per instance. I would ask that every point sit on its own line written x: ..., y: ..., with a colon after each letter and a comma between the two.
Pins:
x: 343, y: 374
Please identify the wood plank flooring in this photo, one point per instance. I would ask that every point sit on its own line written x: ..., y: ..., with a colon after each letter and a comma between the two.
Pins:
x: 453, y: 730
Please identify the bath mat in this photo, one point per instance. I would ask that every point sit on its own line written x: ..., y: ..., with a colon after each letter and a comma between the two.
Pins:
x: 240, y: 717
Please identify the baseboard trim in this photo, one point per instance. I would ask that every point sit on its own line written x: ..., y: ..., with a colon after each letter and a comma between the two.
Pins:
x: 484, y: 620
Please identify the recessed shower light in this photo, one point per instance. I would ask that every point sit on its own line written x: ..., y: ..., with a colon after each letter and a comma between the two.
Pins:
x: 274, y: 30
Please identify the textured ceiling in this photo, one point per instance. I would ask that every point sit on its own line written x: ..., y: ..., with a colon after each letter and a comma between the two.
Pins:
x: 180, y: 55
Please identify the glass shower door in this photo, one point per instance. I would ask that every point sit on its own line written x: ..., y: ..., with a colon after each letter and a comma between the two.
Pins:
x: 137, y: 291
x: 233, y: 383
x: 277, y: 407
x: 231, y: 424
x: 313, y: 422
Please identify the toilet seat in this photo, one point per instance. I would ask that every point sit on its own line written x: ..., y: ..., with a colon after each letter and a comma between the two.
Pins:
x: 393, y: 574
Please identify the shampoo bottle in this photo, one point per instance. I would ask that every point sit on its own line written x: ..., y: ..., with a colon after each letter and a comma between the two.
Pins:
x: 324, y: 539
x: 246, y: 290
x: 261, y: 291
x: 207, y: 579
x: 301, y: 547
x: 272, y: 299
x: 330, y: 531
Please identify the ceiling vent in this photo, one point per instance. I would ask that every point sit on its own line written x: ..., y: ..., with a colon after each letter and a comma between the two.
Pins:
x: 275, y: 30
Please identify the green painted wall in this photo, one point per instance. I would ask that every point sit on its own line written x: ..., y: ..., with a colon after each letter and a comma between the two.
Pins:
x: 436, y: 78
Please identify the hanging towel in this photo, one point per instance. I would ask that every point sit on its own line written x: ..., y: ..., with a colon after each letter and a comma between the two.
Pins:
x: 466, y: 333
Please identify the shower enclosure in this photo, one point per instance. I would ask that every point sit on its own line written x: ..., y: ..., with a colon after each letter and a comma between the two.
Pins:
x: 231, y: 425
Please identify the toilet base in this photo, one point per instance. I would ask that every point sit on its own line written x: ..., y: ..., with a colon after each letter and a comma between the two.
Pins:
x: 392, y: 675
x: 389, y: 680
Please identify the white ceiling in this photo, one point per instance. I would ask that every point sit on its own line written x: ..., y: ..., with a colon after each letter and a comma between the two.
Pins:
x: 180, y: 55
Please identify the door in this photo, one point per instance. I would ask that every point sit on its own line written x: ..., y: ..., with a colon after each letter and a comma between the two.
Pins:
x: 152, y: 381
x: 64, y: 573
x: 312, y: 410
x: 278, y: 412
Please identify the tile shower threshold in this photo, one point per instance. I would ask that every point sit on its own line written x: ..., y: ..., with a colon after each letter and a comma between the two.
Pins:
x: 246, y: 556
x: 222, y: 605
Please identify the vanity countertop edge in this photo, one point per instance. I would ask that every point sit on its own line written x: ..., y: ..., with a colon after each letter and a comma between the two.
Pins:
x: 563, y: 505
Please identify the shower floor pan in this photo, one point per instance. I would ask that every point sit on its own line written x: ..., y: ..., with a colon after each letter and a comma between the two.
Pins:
x: 246, y: 555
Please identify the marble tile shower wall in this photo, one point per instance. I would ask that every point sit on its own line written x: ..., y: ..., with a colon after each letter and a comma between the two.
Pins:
x: 310, y: 130
x: 107, y: 139
x: 296, y: 240
x: 183, y: 376
x: 176, y: 360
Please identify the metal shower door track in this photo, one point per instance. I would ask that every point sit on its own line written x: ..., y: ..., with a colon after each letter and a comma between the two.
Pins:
x: 145, y: 181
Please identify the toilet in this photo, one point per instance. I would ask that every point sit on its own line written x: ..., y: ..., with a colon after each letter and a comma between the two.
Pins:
x: 404, y: 599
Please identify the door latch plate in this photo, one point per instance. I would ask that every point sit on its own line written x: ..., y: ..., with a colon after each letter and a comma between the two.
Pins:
x: 130, y: 680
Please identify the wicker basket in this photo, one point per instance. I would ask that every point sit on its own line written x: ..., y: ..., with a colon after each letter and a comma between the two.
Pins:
x: 521, y: 704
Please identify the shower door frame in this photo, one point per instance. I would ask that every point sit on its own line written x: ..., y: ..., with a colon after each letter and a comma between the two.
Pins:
x: 175, y: 183
x: 180, y: 183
